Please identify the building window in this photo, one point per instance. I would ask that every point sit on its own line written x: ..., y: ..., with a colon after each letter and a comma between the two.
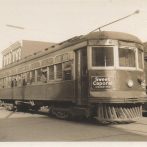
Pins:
x: 19, y: 53
x: 4, y: 60
x: 16, y: 53
x: 13, y: 56
x: 10, y: 58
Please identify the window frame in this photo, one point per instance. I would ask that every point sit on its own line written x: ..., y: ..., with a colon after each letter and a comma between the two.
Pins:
x: 67, y: 69
x: 49, y: 73
x: 89, y: 53
x: 57, y: 78
x: 136, y: 58
x: 142, y: 54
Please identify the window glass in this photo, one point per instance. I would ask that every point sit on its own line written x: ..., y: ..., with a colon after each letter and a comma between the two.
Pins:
x: 67, y: 70
x: 59, y: 71
x: 19, y: 53
x: 27, y: 78
x: 102, y: 56
x: 39, y: 73
x: 16, y: 54
x: 140, y: 59
x: 51, y: 72
x: 19, y: 79
x: 9, y: 81
x: 1, y: 83
x: 126, y: 57
x: 32, y: 76
x: 44, y: 75
x: 4, y: 82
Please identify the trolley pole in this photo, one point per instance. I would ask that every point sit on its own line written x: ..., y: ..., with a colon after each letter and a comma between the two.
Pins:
x: 99, y: 28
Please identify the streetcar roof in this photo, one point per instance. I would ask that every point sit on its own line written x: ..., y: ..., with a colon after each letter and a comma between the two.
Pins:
x: 77, y: 39
x: 113, y: 35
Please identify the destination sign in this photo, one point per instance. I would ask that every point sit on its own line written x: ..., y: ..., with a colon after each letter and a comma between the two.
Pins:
x: 101, y: 82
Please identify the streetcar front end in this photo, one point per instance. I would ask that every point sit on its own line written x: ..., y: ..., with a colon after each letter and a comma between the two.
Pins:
x: 116, y: 78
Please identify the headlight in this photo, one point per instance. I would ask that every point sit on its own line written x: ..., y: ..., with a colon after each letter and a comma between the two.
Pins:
x: 130, y: 83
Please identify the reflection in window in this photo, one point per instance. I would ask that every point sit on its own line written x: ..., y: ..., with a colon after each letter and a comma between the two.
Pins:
x: 140, y: 59
x: 102, y: 56
x: 126, y: 57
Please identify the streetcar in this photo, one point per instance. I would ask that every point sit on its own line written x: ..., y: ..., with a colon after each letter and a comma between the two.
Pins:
x: 98, y: 75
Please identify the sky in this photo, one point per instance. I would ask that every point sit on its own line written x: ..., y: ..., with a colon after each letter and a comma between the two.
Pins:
x: 58, y: 20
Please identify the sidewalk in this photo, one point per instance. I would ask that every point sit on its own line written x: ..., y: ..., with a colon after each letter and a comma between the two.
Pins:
x: 139, y: 127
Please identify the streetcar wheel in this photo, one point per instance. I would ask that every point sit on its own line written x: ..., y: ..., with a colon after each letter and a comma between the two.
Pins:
x: 60, y: 114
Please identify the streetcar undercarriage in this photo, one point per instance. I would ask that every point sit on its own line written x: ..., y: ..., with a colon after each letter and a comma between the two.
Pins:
x: 103, y: 112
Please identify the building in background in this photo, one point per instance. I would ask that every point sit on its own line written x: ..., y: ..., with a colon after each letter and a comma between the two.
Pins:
x: 22, y: 49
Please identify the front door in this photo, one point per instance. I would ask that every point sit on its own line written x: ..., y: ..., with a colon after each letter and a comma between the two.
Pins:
x: 81, y: 76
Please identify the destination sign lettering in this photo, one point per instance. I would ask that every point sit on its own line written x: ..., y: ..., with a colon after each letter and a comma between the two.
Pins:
x: 101, y: 82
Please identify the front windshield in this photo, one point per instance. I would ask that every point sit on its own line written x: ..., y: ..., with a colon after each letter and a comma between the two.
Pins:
x: 126, y: 57
x: 102, y: 56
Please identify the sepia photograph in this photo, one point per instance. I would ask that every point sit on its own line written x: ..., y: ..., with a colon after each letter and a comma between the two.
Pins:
x: 73, y: 71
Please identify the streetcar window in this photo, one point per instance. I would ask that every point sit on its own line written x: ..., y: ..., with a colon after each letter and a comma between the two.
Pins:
x: 140, y: 59
x: 15, y: 82
x: 28, y: 78
x: 102, y: 56
x: 51, y: 72
x: 8, y: 81
x: 126, y: 57
x: 44, y: 75
x: 1, y: 83
x: 39, y: 73
x: 59, y: 71
x: 32, y: 76
x: 67, y: 70
x: 19, y: 80
x: 4, y: 82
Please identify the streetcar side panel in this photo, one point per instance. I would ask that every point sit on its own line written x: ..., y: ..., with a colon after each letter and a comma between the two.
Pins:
x: 55, y: 89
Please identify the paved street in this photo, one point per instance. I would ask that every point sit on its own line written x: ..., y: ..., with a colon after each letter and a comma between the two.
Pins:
x: 20, y: 126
